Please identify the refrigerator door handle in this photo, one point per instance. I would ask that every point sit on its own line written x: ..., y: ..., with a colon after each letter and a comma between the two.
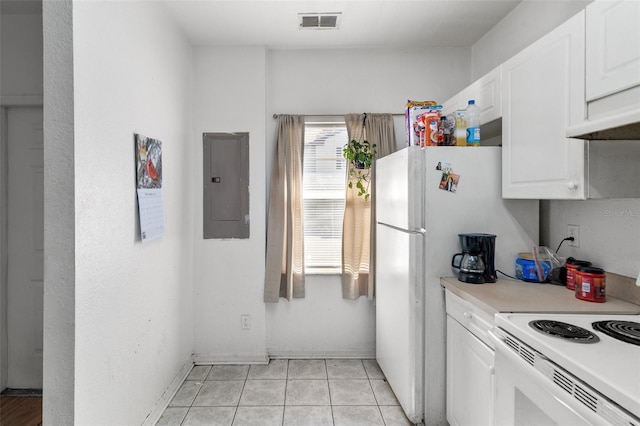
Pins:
x: 420, y: 231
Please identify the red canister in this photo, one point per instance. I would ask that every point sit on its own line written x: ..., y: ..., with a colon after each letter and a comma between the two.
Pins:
x: 590, y: 284
x: 571, y: 265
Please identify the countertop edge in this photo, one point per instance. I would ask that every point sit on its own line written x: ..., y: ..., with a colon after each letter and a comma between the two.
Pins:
x: 468, y: 297
x: 486, y: 299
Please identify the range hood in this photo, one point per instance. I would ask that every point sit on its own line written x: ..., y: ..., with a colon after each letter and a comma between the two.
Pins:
x: 620, y: 126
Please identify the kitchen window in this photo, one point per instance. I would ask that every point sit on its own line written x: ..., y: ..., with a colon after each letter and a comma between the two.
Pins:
x: 324, y: 183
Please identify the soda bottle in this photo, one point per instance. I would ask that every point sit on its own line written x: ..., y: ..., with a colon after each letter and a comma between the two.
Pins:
x: 472, y: 116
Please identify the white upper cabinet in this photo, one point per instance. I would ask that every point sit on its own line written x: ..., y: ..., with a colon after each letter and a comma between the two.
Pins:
x: 612, y: 71
x: 543, y: 94
x: 486, y: 91
x: 613, y: 47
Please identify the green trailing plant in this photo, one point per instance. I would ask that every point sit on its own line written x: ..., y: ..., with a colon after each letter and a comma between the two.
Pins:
x: 360, y: 155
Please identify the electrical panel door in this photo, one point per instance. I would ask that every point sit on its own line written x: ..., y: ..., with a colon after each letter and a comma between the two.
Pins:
x: 226, y: 185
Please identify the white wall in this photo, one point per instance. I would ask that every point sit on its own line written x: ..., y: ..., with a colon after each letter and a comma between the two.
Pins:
x: 338, y: 82
x: 133, y: 317
x: 59, y: 216
x: 609, y: 229
x: 229, y: 274
x: 323, y: 324
x: 526, y: 23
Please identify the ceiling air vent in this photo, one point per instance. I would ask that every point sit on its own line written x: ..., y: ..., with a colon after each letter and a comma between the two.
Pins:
x: 319, y: 21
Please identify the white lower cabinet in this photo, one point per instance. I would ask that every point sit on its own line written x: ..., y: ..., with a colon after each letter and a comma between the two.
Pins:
x: 470, y: 375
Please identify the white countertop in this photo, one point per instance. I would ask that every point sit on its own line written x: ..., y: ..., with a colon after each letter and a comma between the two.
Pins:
x: 507, y: 295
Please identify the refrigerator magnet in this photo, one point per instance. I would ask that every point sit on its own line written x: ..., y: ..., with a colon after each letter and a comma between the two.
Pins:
x: 443, y: 165
x: 449, y: 182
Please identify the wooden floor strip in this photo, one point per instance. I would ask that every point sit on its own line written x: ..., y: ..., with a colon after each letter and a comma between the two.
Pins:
x: 20, y: 411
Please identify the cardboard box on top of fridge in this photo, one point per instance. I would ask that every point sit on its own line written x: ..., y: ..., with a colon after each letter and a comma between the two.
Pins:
x: 413, y: 125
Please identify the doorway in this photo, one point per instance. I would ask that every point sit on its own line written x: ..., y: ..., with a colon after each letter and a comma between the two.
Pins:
x: 22, y: 184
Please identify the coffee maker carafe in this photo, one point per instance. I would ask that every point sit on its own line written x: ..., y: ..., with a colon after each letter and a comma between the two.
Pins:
x: 477, y: 260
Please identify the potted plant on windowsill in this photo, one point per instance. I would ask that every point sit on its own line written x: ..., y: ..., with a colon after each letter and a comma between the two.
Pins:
x: 360, y: 155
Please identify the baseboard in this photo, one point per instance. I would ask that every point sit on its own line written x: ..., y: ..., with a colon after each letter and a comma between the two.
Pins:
x: 168, y: 394
x: 22, y: 392
x: 276, y: 354
x: 360, y: 354
x: 231, y: 359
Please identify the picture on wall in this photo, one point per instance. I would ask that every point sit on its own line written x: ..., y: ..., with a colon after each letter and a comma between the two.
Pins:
x: 149, y: 187
x: 149, y: 162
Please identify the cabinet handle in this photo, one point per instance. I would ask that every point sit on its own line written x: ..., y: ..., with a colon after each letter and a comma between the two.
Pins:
x: 492, y: 370
x: 467, y: 315
x: 572, y: 185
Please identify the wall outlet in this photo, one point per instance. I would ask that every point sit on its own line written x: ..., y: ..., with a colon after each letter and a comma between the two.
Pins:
x: 245, y: 322
x: 574, y: 231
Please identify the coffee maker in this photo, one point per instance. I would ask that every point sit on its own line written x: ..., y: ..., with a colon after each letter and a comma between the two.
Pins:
x: 477, y: 260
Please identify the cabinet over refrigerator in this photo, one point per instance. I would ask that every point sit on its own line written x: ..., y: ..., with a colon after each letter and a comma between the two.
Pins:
x: 424, y: 199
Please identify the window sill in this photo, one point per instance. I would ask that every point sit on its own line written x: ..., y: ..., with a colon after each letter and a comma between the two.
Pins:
x: 322, y: 271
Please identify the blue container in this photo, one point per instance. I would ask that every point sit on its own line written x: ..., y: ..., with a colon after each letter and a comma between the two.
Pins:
x: 526, y: 268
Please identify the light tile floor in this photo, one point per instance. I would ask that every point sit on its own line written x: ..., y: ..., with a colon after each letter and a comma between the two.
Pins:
x: 335, y: 392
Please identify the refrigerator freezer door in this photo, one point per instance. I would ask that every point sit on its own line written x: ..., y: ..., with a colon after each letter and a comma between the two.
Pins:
x: 399, y: 179
x: 399, y: 316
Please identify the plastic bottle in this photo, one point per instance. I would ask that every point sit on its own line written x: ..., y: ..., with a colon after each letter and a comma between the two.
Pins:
x: 442, y: 131
x: 460, y: 130
x: 472, y: 116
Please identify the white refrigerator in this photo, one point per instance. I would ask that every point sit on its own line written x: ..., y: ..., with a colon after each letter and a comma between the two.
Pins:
x: 424, y: 198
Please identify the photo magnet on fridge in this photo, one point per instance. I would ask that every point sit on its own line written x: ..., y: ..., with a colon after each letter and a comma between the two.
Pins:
x: 449, y: 181
x: 443, y: 165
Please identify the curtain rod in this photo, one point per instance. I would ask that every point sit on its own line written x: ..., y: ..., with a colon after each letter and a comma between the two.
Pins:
x: 342, y: 115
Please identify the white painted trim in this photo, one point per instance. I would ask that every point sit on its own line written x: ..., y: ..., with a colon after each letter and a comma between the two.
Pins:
x: 231, y: 359
x: 21, y: 100
x: 168, y: 394
x: 4, y: 260
x: 264, y: 359
x: 323, y: 355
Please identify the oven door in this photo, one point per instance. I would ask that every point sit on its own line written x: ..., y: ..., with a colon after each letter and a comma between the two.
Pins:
x: 525, y: 395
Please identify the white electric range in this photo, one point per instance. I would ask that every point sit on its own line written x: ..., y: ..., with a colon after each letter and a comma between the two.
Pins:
x: 545, y: 379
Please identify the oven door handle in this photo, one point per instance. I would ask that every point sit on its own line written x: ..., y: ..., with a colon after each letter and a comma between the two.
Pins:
x: 588, y: 416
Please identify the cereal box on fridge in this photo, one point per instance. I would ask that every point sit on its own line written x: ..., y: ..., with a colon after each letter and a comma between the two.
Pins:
x: 413, y: 127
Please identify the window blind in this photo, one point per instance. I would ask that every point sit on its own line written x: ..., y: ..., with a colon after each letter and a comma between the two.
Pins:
x: 324, y: 179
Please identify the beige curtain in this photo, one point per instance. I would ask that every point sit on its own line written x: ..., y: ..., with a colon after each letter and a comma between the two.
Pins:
x: 284, y: 275
x: 358, y: 232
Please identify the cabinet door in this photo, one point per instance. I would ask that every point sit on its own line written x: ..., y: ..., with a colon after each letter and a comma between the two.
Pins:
x: 470, y: 378
x: 613, y: 47
x: 486, y: 91
x: 543, y: 93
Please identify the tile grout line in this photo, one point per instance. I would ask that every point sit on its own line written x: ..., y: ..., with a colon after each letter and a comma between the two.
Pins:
x: 246, y: 377
x: 326, y: 371
x: 375, y: 397
x: 286, y: 385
